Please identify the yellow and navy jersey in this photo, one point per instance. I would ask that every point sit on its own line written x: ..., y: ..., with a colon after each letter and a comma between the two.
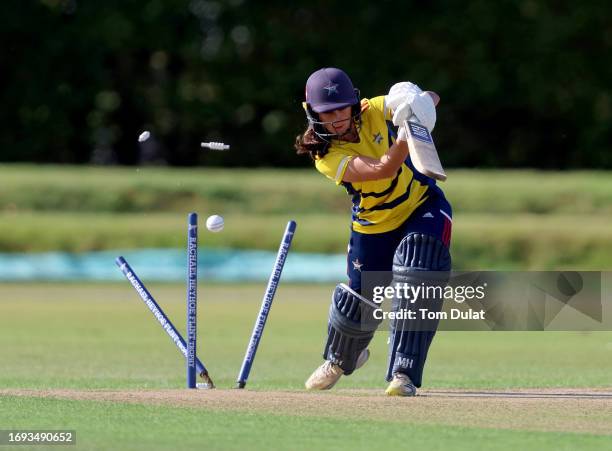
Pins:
x: 378, y: 205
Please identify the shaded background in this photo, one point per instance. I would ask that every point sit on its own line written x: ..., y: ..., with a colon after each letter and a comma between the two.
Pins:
x: 523, y: 83
x: 524, y: 126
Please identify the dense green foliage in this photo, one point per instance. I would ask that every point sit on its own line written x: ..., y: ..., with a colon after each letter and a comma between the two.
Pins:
x: 522, y: 83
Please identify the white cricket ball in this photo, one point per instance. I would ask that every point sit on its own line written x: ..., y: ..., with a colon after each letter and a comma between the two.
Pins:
x: 215, y: 223
x: 144, y: 136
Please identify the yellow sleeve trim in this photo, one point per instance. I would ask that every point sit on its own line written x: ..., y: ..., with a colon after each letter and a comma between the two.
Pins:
x: 342, y: 169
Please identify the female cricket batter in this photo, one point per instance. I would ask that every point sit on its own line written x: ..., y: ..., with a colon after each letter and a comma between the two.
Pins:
x: 401, y: 221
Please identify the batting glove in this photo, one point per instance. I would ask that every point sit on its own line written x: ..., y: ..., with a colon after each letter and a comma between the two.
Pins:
x: 402, y: 135
x: 424, y: 109
x: 399, y: 93
x: 403, y: 111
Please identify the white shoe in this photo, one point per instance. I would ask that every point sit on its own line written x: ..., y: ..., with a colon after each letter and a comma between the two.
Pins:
x: 401, y: 385
x: 326, y: 376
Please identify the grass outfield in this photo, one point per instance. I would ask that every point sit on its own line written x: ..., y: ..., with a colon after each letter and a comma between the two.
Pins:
x: 502, y: 219
x: 265, y: 191
x: 50, y: 325
x: 104, y: 425
x: 523, y: 241
x: 92, y: 358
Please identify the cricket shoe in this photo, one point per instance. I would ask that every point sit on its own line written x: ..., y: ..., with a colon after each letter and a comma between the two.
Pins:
x: 401, y: 385
x: 326, y: 376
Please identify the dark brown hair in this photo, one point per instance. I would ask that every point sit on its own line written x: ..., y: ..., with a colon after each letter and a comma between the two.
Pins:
x: 310, y: 143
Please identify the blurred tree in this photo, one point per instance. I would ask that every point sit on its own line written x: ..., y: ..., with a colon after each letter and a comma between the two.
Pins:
x: 523, y: 83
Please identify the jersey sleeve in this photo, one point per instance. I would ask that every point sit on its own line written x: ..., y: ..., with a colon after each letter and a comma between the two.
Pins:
x: 333, y: 165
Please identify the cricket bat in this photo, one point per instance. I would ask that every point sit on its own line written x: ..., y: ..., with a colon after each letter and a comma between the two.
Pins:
x: 423, y: 151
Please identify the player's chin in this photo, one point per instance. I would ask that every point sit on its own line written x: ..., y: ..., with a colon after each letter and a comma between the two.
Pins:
x: 341, y: 131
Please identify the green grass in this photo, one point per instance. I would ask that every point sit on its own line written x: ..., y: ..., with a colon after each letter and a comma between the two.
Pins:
x: 101, y: 336
x: 103, y: 426
x: 264, y: 191
x: 78, y: 232
x: 502, y: 219
x: 479, y: 241
x: 96, y: 189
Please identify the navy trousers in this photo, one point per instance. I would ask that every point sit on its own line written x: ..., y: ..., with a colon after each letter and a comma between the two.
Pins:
x: 374, y: 252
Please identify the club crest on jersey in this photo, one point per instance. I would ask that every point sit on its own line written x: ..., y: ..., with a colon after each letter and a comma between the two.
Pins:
x: 377, y: 138
x: 357, y: 265
x: 331, y: 88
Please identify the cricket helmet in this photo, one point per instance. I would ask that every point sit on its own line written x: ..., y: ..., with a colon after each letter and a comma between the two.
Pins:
x: 330, y: 89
